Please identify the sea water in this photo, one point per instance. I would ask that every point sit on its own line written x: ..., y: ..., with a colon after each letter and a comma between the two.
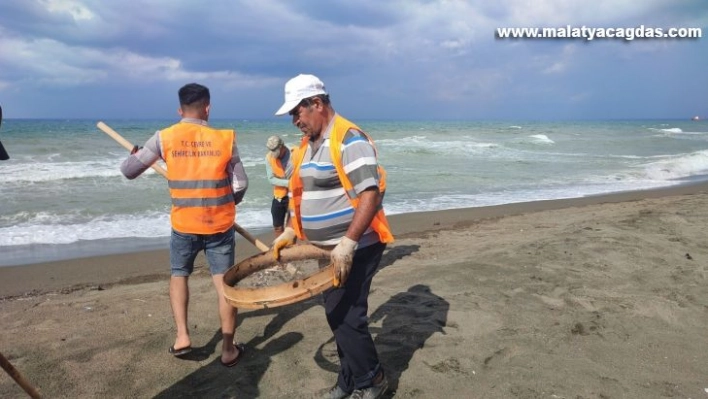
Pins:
x: 62, y: 194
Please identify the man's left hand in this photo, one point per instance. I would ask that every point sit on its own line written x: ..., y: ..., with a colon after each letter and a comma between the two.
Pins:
x: 342, y: 257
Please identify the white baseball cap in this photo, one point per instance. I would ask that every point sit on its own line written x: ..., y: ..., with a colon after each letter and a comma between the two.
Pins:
x: 299, y: 88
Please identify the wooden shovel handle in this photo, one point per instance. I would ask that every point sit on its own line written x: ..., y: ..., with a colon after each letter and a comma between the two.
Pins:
x: 127, y: 144
x: 253, y: 240
x: 19, y: 379
x: 159, y: 169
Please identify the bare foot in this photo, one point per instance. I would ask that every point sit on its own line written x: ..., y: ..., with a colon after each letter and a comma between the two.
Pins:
x: 182, y: 342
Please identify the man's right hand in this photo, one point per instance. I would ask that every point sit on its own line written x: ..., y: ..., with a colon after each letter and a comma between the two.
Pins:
x: 286, y: 239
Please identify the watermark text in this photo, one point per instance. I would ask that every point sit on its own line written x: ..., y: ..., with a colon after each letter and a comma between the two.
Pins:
x: 587, y: 33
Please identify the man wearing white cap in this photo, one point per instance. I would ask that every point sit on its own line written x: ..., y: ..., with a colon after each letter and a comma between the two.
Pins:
x: 337, y: 187
x: 278, y: 171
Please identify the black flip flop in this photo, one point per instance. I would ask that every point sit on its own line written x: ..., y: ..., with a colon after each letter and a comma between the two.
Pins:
x: 241, y: 350
x: 179, y: 352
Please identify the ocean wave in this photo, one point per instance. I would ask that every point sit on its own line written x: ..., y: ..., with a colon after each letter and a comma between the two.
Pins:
x: 600, y: 185
x: 25, y: 228
x: 541, y: 139
x: 535, y: 139
x: 422, y: 145
x: 676, y: 167
x: 51, y: 228
x: 37, y: 172
x: 668, y: 130
x: 673, y: 130
x: 54, y: 171
x: 251, y: 161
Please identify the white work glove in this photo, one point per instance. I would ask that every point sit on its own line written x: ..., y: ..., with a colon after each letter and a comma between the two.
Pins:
x: 286, y: 239
x: 342, y: 257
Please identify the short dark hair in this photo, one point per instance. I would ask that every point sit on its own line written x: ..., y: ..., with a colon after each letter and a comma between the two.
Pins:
x: 194, y: 94
x: 306, y: 102
x: 323, y: 97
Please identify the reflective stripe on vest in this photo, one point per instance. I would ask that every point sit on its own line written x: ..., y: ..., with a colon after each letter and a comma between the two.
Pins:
x: 340, y: 128
x: 279, y: 172
x: 197, y: 159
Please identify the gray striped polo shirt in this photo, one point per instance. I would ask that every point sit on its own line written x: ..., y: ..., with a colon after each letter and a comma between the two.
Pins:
x: 325, y: 208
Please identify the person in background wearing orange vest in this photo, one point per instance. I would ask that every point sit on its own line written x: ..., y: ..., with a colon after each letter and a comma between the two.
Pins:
x: 336, y: 190
x: 207, y: 180
x: 278, y: 170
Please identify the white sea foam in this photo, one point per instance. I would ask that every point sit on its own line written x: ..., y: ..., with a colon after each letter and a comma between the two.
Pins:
x: 53, y: 171
x: 36, y: 172
x: 676, y: 167
x: 668, y: 130
x: 673, y: 130
x: 48, y: 228
x: 421, y: 144
x: 404, y: 141
x: 510, y: 196
x: 25, y: 228
x: 684, y: 133
x: 253, y: 161
x: 541, y: 139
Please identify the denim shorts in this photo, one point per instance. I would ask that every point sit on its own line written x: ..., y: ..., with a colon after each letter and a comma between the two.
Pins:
x: 219, y: 248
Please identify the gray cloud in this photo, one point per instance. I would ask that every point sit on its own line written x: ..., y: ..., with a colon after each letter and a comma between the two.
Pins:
x: 396, y: 59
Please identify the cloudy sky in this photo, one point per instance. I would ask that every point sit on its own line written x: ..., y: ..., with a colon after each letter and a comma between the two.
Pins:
x: 397, y: 59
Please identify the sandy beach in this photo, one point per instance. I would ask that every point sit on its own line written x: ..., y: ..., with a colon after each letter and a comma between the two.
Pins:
x: 599, y: 297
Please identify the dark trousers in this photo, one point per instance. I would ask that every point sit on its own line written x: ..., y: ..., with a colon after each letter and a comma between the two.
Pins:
x: 279, y: 209
x: 346, y: 310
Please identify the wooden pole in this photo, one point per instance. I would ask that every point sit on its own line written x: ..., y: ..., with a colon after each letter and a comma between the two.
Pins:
x: 159, y: 169
x: 19, y: 379
x: 3, y: 153
x: 125, y: 143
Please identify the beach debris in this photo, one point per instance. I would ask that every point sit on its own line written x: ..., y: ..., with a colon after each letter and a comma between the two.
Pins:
x: 289, y: 267
x: 282, y: 272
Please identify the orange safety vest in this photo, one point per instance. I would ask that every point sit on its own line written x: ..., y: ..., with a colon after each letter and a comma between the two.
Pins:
x: 336, y: 138
x: 279, y: 172
x: 197, y: 159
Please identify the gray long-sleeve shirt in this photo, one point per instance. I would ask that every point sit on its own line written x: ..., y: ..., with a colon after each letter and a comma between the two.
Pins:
x: 281, y: 181
x: 137, y: 163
